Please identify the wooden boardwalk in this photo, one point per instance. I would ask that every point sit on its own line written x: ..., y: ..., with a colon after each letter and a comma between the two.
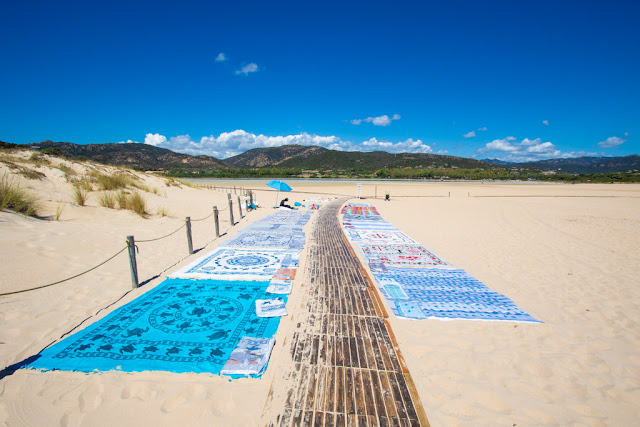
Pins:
x: 346, y: 368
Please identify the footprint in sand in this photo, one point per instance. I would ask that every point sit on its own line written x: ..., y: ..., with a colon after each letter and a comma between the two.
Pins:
x: 139, y: 391
x: 190, y: 394
x: 91, y: 398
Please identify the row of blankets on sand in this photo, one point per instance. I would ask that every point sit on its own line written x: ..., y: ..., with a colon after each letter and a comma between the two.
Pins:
x: 417, y: 283
x: 218, y: 314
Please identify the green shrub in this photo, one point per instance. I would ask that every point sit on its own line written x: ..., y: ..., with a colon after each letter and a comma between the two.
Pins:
x: 15, y: 198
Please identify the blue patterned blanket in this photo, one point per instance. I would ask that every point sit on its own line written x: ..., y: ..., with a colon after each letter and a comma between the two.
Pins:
x: 266, y: 239
x: 179, y: 326
x: 446, y: 294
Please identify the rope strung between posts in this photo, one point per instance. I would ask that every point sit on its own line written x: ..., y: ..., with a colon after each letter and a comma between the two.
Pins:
x: 72, y: 277
x: 159, y: 238
x: 202, y: 219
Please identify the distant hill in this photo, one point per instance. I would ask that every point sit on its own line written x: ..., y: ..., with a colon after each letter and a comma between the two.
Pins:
x: 318, y: 158
x: 139, y: 156
x: 270, y: 157
x: 579, y: 165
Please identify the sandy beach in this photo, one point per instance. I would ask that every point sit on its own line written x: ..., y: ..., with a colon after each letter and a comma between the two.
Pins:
x: 566, y: 254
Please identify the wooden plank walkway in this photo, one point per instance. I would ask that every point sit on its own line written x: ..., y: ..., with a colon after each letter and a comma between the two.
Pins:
x: 346, y: 369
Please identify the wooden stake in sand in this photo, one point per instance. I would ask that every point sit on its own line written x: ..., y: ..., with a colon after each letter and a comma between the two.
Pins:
x: 230, y: 209
x: 132, y: 261
x: 240, y: 207
x: 215, y: 220
x: 189, y: 240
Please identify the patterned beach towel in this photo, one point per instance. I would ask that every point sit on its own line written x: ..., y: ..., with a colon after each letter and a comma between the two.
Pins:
x: 179, y: 326
x: 378, y: 236
x: 368, y: 225
x: 445, y: 294
x: 234, y: 264
x: 271, y: 240
x: 349, y: 217
x: 402, y: 255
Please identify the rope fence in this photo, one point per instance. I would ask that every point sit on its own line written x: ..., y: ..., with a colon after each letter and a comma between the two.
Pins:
x: 132, y: 247
x: 69, y: 278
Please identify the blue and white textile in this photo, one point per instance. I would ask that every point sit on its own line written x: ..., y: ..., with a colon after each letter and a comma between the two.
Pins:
x: 378, y: 236
x: 444, y: 294
x: 257, y: 239
x: 234, y: 264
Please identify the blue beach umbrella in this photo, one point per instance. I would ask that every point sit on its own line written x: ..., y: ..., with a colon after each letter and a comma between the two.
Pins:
x: 280, y: 186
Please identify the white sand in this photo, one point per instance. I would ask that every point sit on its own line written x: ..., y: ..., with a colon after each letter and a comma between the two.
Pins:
x: 570, y: 262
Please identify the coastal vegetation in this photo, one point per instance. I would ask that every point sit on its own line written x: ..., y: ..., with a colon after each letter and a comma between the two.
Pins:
x: 16, y: 198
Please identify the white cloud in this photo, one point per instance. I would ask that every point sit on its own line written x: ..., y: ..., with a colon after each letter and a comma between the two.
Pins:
x: 611, y: 142
x: 221, y: 57
x: 408, y: 146
x: 482, y: 129
x: 383, y: 120
x: 626, y: 134
x: 128, y: 141
x: 249, y: 68
x: 229, y: 144
x: 545, y: 122
x: 509, y: 149
x: 469, y: 134
x: 155, y: 139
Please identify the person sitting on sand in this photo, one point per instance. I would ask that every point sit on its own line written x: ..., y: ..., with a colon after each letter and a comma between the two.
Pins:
x: 283, y: 203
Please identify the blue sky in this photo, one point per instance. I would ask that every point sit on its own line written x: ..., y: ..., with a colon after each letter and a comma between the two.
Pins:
x: 510, y: 80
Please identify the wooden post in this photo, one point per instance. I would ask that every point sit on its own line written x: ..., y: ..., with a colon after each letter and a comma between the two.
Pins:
x: 230, y: 209
x: 132, y: 262
x: 240, y: 207
x: 250, y: 197
x: 234, y: 190
x: 189, y: 241
x: 215, y: 220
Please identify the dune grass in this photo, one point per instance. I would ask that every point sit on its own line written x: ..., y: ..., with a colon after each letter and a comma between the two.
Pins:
x: 67, y: 170
x: 121, y: 199
x: 59, y: 210
x: 162, y: 212
x: 16, y: 198
x: 80, y: 195
x: 107, y: 200
x: 137, y: 203
x: 115, y: 181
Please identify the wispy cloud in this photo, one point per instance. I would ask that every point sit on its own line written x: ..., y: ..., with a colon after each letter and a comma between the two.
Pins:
x: 509, y: 149
x: 545, y: 122
x: 611, y: 142
x: 383, y: 120
x: 247, y: 69
x: 221, y: 57
x: 469, y: 134
x: 482, y: 129
x: 229, y: 144
x: 626, y: 134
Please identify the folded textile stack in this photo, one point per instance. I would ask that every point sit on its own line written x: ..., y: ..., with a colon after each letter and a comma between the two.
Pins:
x: 417, y: 283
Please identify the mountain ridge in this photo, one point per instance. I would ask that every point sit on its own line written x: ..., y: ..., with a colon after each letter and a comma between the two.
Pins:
x: 579, y: 165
